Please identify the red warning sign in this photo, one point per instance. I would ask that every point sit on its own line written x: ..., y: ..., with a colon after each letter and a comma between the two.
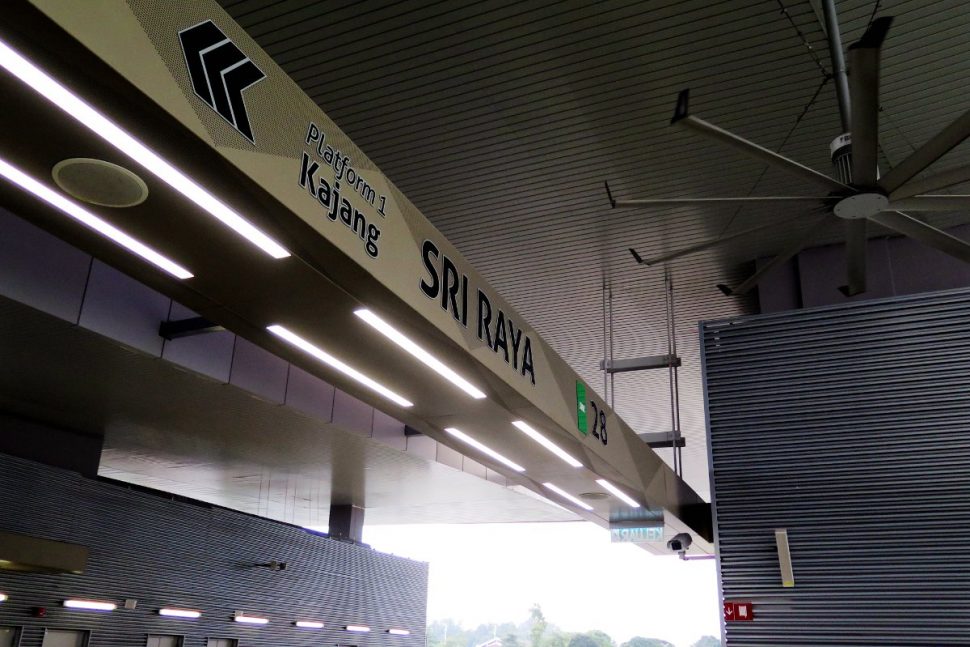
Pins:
x: 738, y: 612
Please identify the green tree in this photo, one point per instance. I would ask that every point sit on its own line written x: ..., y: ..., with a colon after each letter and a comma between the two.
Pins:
x: 707, y: 641
x: 511, y: 640
x: 582, y: 640
x: 539, y: 625
x: 601, y: 638
x: 640, y: 641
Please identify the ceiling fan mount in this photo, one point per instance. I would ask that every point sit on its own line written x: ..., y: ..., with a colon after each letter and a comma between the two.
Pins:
x: 858, y: 194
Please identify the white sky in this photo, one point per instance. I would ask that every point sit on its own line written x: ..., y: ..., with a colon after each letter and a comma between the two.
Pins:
x: 493, y: 573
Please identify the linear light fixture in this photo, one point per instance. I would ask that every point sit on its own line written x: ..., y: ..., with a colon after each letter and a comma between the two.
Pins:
x: 250, y: 620
x: 468, y: 440
x: 569, y: 497
x: 618, y: 493
x: 421, y: 354
x: 3, y: 597
x: 328, y: 359
x: 89, y: 220
x: 361, y: 629
x: 90, y: 605
x: 399, y: 632
x: 545, y: 442
x: 179, y: 613
x: 309, y: 624
x: 81, y: 111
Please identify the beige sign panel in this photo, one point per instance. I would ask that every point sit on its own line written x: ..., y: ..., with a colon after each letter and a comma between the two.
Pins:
x: 246, y: 108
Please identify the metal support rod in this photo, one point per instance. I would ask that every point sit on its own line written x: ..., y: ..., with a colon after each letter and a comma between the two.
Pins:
x: 611, y: 374
x: 838, y: 63
x: 605, y: 355
x: 672, y: 372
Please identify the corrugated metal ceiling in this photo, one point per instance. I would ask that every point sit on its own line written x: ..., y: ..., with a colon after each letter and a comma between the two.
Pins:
x: 500, y: 120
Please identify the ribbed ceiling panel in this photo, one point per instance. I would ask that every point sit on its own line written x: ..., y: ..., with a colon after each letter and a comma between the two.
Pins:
x: 500, y: 120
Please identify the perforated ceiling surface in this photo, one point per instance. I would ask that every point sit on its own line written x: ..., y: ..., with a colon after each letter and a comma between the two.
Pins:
x: 500, y: 120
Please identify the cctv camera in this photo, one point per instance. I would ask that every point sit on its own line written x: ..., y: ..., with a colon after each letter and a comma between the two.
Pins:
x: 680, y: 543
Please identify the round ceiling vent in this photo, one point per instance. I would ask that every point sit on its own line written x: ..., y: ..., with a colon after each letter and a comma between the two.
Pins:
x: 594, y: 496
x: 99, y: 182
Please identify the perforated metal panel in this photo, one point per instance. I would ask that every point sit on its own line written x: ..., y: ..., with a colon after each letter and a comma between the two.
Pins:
x: 848, y: 426
x: 166, y: 553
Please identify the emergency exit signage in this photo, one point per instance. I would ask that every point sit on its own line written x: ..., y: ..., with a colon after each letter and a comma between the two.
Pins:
x: 738, y: 612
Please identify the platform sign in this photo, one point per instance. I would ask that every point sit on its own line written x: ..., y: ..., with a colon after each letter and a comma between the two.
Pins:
x: 738, y: 612
x: 636, y: 535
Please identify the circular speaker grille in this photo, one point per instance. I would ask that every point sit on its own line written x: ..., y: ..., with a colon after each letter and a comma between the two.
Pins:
x: 593, y: 496
x: 99, y: 182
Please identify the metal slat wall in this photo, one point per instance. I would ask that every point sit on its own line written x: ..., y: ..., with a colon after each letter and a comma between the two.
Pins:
x: 848, y: 426
x: 169, y: 553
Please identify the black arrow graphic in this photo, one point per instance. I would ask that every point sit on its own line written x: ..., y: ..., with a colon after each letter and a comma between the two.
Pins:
x: 220, y: 73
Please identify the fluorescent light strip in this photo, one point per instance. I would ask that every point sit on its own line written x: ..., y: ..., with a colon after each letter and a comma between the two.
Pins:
x: 421, y: 354
x: 100, y: 125
x: 3, y: 597
x: 399, y: 632
x: 567, y: 496
x: 468, y: 440
x: 90, y: 605
x: 308, y: 624
x: 330, y: 360
x: 88, y: 219
x: 545, y: 442
x: 179, y: 613
x: 250, y: 620
x: 618, y: 493
x: 361, y: 629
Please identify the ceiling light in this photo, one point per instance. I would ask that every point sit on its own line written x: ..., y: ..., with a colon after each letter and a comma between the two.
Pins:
x: 358, y: 628
x: 545, y: 442
x: 618, y: 493
x: 309, y: 624
x: 179, y: 613
x: 330, y: 360
x: 100, y: 125
x: 3, y: 597
x: 399, y: 632
x: 90, y: 605
x: 90, y: 220
x: 567, y: 496
x: 421, y: 354
x: 468, y: 440
x: 250, y: 620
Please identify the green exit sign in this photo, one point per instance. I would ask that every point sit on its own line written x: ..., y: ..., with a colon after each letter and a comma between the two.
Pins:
x: 581, y: 408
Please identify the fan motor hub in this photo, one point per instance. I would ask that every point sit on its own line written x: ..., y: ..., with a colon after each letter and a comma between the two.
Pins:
x: 861, y: 205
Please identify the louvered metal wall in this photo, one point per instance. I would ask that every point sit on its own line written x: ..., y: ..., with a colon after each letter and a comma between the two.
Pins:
x: 850, y: 427
x: 170, y: 553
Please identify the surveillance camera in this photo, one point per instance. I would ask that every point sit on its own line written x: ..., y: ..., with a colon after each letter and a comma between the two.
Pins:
x: 680, y: 543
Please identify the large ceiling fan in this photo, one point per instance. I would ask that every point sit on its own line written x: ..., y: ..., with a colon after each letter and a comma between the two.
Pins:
x: 859, y: 195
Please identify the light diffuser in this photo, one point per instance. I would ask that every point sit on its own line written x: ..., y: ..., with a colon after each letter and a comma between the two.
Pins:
x: 468, y: 440
x: 545, y: 442
x: 618, y: 493
x: 179, y: 613
x: 567, y: 496
x: 90, y: 605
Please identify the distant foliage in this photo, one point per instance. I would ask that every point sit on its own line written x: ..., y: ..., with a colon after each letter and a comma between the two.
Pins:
x: 708, y: 641
x: 640, y: 641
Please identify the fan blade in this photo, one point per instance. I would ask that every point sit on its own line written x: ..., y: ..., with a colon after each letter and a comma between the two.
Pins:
x: 938, y: 146
x: 931, y: 203
x: 753, y: 280
x: 681, y: 202
x: 941, y: 180
x: 855, y: 257
x: 683, y: 119
x: 924, y: 233
x: 864, y: 85
x: 712, y: 243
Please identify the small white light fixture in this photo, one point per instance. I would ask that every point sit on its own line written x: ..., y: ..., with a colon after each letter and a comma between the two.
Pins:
x: 421, y: 354
x: 309, y: 624
x: 361, y: 629
x: 399, y: 632
x: 567, y: 496
x: 250, y: 620
x: 91, y: 221
x: 179, y: 613
x: 468, y: 440
x: 3, y: 597
x: 77, y: 108
x: 90, y: 605
x: 328, y: 359
x: 545, y: 442
x: 617, y: 492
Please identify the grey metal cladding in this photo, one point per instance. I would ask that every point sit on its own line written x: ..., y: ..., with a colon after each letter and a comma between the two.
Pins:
x: 173, y: 553
x: 848, y: 426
